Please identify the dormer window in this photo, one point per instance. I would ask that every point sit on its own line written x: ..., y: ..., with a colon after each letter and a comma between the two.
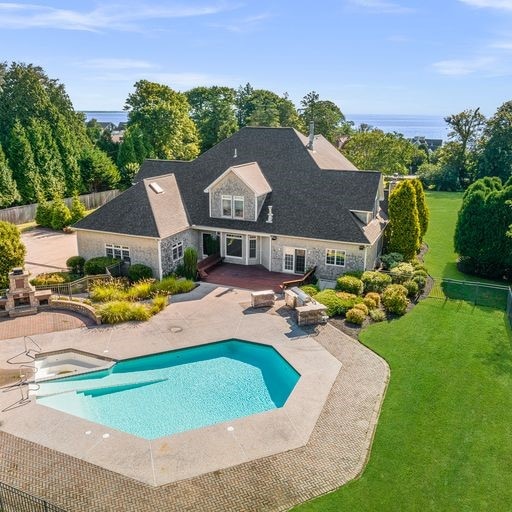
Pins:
x: 238, y: 207
x: 233, y: 207
x: 227, y: 206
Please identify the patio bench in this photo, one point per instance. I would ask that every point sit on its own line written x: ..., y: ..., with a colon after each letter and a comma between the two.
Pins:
x: 305, y: 279
x: 209, y: 262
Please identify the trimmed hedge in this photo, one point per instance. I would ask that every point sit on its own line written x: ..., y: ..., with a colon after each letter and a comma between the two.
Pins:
x: 310, y: 289
x: 138, y: 272
x: 98, y: 265
x: 402, y: 272
x: 356, y: 316
x: 76, y: 264
x: 375, y: 281
x: 394, y: 299
x: 350, y: 284
x: 373, y: 296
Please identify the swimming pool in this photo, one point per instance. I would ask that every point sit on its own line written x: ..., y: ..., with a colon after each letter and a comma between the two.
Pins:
x: 163, y: 394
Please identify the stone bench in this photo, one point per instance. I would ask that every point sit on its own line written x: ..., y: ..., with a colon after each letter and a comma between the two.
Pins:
x: 263, y: 299
x: 311, y: 314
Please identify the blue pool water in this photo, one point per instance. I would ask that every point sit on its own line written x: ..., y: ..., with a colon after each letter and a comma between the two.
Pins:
x: 162, y: 394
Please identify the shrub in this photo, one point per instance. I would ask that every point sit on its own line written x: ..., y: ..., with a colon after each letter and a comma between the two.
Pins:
x: 375, y: 281
x: 347, y: 301
x: 50, y: 279
x: 421, y: 273
x: 190, y: 263
x: 374, y: 296
x: 44, y: 214
x: 377, y: 315
x: 61, y: 216
x: 106, y: 292
x: 420, y: 281
x: 369, y: 303
x: 122, y: 311
x: 412, y: 288
x: 394, y: 299
x: 418, y: 265
x: 98, y: 265
x: 310, y: 289
x: 350, y: 284
x: 138, y: 271
x: 184, y: 286
x: 402, y: 272
x: 12, y: 251
x: 141, y: 290
x: 391, y: 260
x: 354, y: 273
x: 362, y: 306
x: 331, y: 300
x: 159, y: 304
x: 76, y: 264
x: 77, y: 210
x: 355, y: 316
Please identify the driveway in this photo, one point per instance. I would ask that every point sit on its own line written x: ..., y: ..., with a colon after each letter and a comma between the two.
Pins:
x: 47, y: 250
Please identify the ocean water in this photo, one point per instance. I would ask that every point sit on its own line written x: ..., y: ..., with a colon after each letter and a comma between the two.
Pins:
x: 163, y: 394
x: 431, y: 127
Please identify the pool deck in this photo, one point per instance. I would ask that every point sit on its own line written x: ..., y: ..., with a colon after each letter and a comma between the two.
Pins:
x: 271, y: 461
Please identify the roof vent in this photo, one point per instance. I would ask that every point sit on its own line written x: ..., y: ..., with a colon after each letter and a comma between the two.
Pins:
x: 235, y: 154
x: 156, y: 187
x: 270, y: 215
x: 311, y: 135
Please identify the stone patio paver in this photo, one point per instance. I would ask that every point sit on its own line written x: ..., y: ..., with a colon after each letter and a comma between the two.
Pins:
x: 335, y: 453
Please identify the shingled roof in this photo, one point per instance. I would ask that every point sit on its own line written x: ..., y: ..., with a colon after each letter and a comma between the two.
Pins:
x: 307, y: 201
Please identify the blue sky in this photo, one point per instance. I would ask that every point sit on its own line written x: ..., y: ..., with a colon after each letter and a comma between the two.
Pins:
x: 369, y: 56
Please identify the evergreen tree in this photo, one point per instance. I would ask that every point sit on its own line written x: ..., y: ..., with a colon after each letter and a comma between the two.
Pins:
x: 403, y: 231
x: 77, y: 210
x: 8, y: 189
x: 22, y: 163
x: 12, y: 251
x: 421, y: 204
x: 98, y: 171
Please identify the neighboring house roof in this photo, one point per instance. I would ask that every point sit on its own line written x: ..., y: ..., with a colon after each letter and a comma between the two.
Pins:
x: 250, y: 174
x: 307, y: 202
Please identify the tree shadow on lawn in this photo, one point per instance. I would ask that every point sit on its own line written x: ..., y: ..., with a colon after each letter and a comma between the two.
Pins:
x: 499, y: 355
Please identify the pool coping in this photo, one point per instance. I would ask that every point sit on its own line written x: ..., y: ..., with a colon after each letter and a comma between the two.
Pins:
x: 196, y: 452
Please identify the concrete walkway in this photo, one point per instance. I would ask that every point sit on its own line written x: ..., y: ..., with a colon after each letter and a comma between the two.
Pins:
x: 335, y: 453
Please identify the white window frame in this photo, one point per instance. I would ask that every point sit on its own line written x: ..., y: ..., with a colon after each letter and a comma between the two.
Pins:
x: 119, y: 252
x: 230, y: 199
x: 336, y: 251
x: 178, y: 247
x: 237, y: 237
x: 240, y: 199
x: 255, y: 240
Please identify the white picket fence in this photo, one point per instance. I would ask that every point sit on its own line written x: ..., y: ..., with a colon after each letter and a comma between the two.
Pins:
x: 27, y: 213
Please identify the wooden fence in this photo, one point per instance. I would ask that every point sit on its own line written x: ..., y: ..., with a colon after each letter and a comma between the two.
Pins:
x: 27, y: 213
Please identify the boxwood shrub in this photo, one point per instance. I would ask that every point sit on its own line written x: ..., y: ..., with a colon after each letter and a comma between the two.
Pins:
x: 412, y: 288
x: 377, y: 315
x: 349, y: 284
x: 356, y: 316
x: 332, y: 301
x: 76, y: 264
x: 375, y: 281
x: 310, y: 289
x: 362, y: 306
x: 394, y: 299
x: 373, y: 296
x: 401, y: 273
x: 98, y: 265
x: 138, y: 272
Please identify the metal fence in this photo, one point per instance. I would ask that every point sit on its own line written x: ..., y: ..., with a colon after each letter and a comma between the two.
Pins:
x: 14, y: 500
x: 480, y: 294
x: 27, y: 213
x: 77, y: 287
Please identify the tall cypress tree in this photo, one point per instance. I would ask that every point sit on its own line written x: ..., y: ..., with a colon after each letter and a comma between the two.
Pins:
x: 23, y: 166
x: 404, y: 226
x: 8, y: 189
x: 421, y: 204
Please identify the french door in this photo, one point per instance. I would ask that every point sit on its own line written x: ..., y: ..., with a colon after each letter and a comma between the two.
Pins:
x: 294, y: 260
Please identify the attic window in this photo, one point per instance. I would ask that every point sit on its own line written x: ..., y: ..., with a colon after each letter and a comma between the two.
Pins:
x: 156, y: 187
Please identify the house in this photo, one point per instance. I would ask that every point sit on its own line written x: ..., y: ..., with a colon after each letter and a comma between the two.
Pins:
x: 267, y: 196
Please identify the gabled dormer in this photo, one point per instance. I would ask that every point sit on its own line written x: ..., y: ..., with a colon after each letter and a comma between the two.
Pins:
x: 238, y: 193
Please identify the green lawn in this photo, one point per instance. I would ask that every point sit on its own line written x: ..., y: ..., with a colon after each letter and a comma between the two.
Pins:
x: 443, y: 440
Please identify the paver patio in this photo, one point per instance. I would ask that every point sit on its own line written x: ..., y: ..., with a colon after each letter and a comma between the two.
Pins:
x: 335, y: 453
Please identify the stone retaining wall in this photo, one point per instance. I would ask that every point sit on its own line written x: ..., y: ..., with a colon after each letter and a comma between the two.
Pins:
x: 77, y: 307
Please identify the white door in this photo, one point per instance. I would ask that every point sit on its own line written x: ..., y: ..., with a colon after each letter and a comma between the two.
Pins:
x: 294, y: 260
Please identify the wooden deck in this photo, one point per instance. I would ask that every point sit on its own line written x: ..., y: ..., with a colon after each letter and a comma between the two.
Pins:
x: 250, y: 277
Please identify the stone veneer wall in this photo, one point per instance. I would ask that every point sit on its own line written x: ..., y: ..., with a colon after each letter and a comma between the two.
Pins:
x: 315, y: 255
x: 78, y: 307
x: 189, y: 237
x: 142, y: 250
x: 232, y: 186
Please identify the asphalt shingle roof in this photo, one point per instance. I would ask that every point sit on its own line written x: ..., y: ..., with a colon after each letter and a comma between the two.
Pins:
x: 308, y: 200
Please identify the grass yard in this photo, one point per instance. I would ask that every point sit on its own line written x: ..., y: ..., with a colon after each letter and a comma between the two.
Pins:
x: 443, y: 440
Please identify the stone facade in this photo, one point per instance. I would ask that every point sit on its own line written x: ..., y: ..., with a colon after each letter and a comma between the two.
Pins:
x: 142, y: 249
x: 231, y: 185
x: 315, y: 255
x: 189, y: 237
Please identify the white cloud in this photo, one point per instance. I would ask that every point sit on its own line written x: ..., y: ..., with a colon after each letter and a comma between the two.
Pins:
x: 502, y: 45
x: 242, y: 25
x: 124, y: 17
x: 382, y: 6
x: 505, y: 5
x: 461, y: 67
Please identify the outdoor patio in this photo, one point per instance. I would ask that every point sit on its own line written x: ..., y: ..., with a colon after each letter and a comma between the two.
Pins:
x: 249, y: 277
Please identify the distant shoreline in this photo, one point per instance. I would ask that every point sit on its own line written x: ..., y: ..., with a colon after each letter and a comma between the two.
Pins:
x: 409, y: 125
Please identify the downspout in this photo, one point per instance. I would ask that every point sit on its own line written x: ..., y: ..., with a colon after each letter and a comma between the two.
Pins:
x: 270, y: 254
x: 365, y: 252
x: 160, y: 271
